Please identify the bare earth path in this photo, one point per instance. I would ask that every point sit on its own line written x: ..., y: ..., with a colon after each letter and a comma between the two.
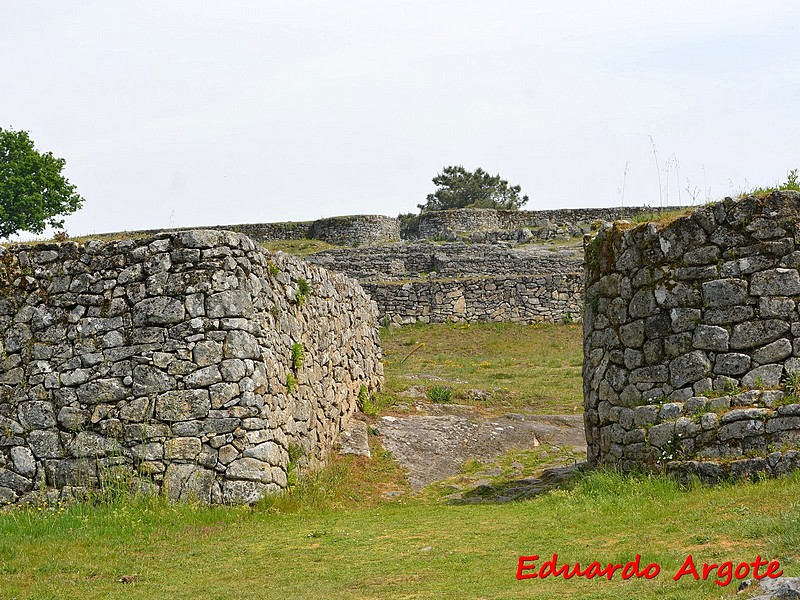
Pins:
x: 434, y: 447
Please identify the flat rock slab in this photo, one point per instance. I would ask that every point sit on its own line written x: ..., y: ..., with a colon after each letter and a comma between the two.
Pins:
x: 353, y: 438
x: 433, y: 447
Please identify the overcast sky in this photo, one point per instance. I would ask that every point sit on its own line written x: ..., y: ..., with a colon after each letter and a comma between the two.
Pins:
x: 184, y: 113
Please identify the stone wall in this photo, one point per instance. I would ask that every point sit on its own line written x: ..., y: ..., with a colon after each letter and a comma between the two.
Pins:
x: 356, y: 230
x: 692, y: 341
x: 343, y: 231
x: 436, y: 283
x: 484, y: 223
x: 190, y: 362
x: 426, y: 259
x: 519, y: 299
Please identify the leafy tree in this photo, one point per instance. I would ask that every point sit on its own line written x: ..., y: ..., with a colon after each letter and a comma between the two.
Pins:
x: 459, y: 188
x: 33, y: 193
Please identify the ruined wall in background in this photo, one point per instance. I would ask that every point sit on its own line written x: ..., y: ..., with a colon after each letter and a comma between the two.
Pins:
x: 487, y: 224
x: 692, y: 341
x: 190, y: 362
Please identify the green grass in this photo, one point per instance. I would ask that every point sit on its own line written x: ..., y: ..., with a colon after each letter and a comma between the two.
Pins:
x: 298, y: 247
x: 792, y: 183
x: 536, y: 368
x: 334, y: 537
x: 336, y: 533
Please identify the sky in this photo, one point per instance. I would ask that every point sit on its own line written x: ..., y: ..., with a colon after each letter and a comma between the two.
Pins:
x: 182, y: 113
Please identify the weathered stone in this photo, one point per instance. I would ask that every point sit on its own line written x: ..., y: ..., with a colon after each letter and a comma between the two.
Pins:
x: 632, y: 334
x: 776, y: 282
x: 775, y: 306
x: 250, y: 469
x: 240, y: 344
x: 45, y: 444
x: 203, y: 377
x: 23, y: 461
x: 655, y: 374
x: 267, y: 452
x: 88, y: 444
x: 230, y: 303
x: 246, y: 492
x: 725, y: 292
x: 182, y: 405
x: 643, y: 304
x: 151, y: 380
x: 188, y: 482
x: 102, y: 390
x: 711, y: 337
x: 731, y: 364
x: 752, y: 334
x: 161, y: 310
x: 182, y: 448
x: 766, y: 376
x: 660, y: 435
x: 684, y: 319
x: 36, y: 415
x: 774, y: 352
x: 207, y: 353
x: 689, y: 368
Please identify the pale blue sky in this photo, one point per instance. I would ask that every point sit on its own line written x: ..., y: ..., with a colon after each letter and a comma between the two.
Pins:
x: 184, y: 113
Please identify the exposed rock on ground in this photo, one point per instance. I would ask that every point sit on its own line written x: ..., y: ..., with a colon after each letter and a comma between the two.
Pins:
x: 434, y: 447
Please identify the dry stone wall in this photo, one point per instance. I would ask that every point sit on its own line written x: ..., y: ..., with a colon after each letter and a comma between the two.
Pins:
x: 520, y: 299
x: 434, y: 283
x: 692, y: 341
x: 487, y: 224
x: 355, y: 230
x: 189, y: 362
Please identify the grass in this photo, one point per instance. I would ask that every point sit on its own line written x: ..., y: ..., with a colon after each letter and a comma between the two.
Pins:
x: 298, y: 247
x: 354, y: 529
x: 535, y: 368
x: 335, y: 537
x: 662, y: 218
x: 792, y: 183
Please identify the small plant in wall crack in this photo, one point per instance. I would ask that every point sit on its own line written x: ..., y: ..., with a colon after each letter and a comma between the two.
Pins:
x: 298, y: 356
x: 291, y: 383
x: 303, y: 291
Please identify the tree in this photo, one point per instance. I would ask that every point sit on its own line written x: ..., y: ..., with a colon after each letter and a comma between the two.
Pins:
x: 459, y: 188
x: 33, y: 193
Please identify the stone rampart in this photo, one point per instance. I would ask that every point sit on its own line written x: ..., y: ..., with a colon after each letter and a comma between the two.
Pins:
x: 480, y: 224
x: 190, y: 362
x: 518, y: 299
x: 355, y: 230
x: 692, y: 341
x: 457, y: 259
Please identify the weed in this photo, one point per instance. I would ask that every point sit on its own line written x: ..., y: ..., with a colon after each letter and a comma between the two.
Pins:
x: 791, y: 384
x: 303, y: 291
x: 440, y: 394
x: 291, y: 383
x: 365, y: 403
x: 296, y: 453
x: 298, y: 356
x: 273, y: 269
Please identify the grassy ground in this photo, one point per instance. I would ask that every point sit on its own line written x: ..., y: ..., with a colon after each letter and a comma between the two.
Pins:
x: 334, y: 537
x: 337, y: 533
x: 535, y: 368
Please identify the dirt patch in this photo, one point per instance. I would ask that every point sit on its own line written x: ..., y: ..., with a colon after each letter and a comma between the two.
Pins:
x: 435, y: 446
